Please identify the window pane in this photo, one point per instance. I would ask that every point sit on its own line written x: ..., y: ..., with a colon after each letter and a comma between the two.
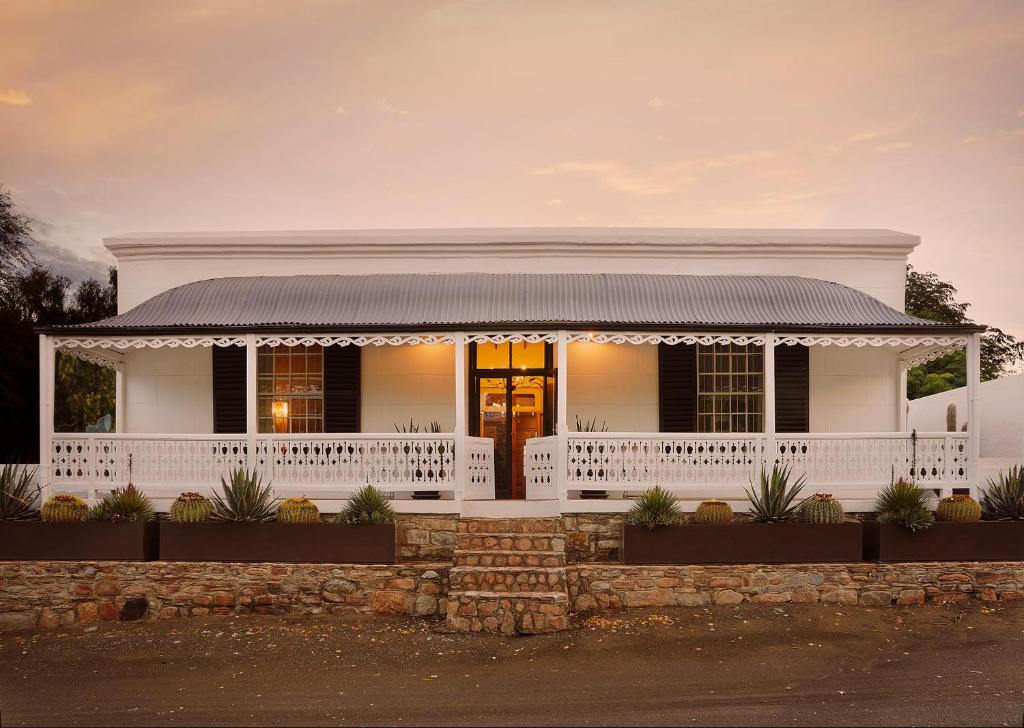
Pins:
x: 526, y: 355
x: 492, y: 356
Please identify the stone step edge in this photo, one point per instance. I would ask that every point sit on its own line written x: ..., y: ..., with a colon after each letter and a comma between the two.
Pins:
x: 461, y: 569
x: 507, y: 552
x: 510, y: 534
x: 556, y: 596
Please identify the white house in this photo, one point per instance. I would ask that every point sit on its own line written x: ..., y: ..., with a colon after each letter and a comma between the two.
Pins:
x: 706, y: 354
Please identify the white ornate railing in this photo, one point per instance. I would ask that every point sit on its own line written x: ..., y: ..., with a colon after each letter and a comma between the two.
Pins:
x: 479, y: 481
x: 540, y: 457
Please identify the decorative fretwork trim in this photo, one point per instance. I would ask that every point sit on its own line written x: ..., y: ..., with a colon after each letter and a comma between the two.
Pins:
x: 514, y: 338
x: 106, y: 361
x: 356, y: 340
x: 893, y: 340
x: 917, y: 359
x: 147, y: 342
x: 618, y: 337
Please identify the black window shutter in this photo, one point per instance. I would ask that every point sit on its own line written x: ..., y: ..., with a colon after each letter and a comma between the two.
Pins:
x: 228, y: 389
x: 341, y: 388
x: 677, y: 387
x: 792, y: 388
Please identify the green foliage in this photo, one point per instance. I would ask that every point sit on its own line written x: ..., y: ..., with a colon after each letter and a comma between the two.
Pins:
x: 590, y: 425
x: 244, y: 498
x: 656, y: 507
x: 822, y: 508
x: 1003, y: 499
x: 959, y: 508
x: 15, y: 231
x: 298, y: 510
x: 18, y: 493
x: 773, y: 503
x: 64, y: 508
x: 713, y: 512
x: 367, y: 505
x: 905, y: 504
x: 191, y: 508
x: 415, y: 427
x: 123, y: 504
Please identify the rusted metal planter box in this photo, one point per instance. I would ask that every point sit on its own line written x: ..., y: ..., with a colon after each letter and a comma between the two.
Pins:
x: 77, y: 541
x: 744, y: 543
x: 292, y: 542
x: 945, y: 541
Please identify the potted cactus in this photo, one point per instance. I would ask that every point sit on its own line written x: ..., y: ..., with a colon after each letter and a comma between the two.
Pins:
x: 244, y: 522
x: 780, y: 528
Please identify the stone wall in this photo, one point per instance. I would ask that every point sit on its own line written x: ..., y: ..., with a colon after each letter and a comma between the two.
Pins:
x: 593, y: 537
x: 424, y: 537
x: 875, y: 585
x: 58, y: 593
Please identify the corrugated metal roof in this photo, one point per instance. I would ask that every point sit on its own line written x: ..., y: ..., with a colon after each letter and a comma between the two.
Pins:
x: 483, y: 300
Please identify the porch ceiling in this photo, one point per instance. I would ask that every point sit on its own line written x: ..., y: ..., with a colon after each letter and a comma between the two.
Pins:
x: 474, y: 301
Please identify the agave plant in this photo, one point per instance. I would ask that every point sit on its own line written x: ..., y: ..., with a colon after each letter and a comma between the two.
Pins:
x: 1003, y: 499
x: 123, y: 504
x: 656, y: 507
x: 905, y: 504
x: 18, y: 493
x: 590, y: 425
x: 367, y: 505
x: 774, y: 500
x: 244, y: 499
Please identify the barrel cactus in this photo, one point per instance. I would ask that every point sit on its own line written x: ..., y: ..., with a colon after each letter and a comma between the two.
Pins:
x: 959, y: 508
x: 63, y: 509
x: 713, y: 512
x: 298, y: 510
x: 821, y: 508
x: 191, y: 508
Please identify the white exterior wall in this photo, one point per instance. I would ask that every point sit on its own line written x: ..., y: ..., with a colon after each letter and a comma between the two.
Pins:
x: 853, y: 389
x: 1002, y: 415
x: 403, y: 382
x: 169, y: 391
x: 615, y: 383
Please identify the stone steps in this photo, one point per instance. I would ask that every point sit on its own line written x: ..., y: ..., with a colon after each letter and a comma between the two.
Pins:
x: 509, y: 558
x: 509, y: 525
x: 510, y: 542
x: 522, y: 613
x: 507, y: 578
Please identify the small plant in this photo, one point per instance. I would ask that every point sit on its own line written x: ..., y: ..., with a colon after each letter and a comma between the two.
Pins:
x: 958, y: 508
x: 123, y: 504
x: 64, y: 509
x: 713, y: 512
x: 298, y: 510
x: 414, y: 427
x: 191, y: 508
x: 773, y: 503
x: 656, y: 507
x: 1003, y: 499
x: 590, y: 425
x: 244, y: 498
x: 822, y: 508
x: 905, y: 504
x: 18, y: 493
x: 367, y: 505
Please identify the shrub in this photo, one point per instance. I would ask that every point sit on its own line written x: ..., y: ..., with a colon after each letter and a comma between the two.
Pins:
x: 713, y: 512
x: 822, y: 508
x: 1003, y: 499
x: 123, y: 504
x: 905, y: 504
x: 367, y: 505
x: 959, y: 508
x: 244, y: 499
x: 773, y: 503
x: 18, y: 494
x: 64, y: 509
x: 298, y: 510
x: 191, y: 508
x: 656, y: 507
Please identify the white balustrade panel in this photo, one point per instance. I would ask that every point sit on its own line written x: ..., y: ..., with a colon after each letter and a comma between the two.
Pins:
x: 479, y: 481
x: 539, y: 466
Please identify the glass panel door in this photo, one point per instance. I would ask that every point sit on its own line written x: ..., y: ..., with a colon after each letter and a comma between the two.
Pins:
x: 494, y: 393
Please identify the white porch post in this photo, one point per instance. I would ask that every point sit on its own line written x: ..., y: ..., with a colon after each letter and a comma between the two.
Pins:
x: 901, y: 396
x: 461, y: 471
x: 973, y: 411
x: 562, y: 412
x: 119, y: 400
x: 251, y: 425
x: 46, y: 377
x: 770, y: 449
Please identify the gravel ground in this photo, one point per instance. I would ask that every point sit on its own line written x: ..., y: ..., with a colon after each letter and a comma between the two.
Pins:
x: 745, y: 665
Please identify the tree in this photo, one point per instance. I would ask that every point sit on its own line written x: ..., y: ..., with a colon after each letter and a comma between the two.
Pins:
x: 14, y: 236
x: 929, y: 297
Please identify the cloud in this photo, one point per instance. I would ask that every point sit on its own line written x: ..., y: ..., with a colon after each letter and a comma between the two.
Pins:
x: 731, y: 160
x: 893, y: 146
x: 554, y: 202
x: 870, y: 135
x: 341, y: 111
x: 971, y: 139
x: 15, y: 97
x: 787, y: 205
x: 656, y: 102
x: 622, y: 177
x: 389, y: 108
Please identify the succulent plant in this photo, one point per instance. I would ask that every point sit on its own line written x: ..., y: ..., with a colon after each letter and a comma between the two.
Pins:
x: 906, y: 504
x: 959, y: 508
x: 64, y: 509
x: 19, y: 495
x: 123, y: 504
x: 298, y: 510
x: 191, y: 508
x: 773, y: 502
x: 244, y: 498
x: 822, y: 508
x: 713, y: 512
x: 1003, y: 499
x: 367, y: 505
x: 656, y: 507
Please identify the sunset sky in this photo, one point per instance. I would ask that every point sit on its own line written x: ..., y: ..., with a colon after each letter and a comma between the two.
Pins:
x: 135, y: 116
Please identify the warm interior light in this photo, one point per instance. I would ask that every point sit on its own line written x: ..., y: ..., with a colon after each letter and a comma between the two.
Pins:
x: 590, y: 335
x: 280, y: 409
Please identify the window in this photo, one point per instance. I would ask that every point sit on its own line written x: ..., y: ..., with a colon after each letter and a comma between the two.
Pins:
x: 290, y: 389
x: 730, y: 388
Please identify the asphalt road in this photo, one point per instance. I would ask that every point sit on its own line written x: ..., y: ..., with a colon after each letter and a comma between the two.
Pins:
x: 747, y: 665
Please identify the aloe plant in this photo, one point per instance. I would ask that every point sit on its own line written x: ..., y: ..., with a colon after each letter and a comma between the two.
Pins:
x: 244, y: 498
x: 774, y: 500
x: 656, y: 507
x: 1003, y: 498
x: 367, y: 505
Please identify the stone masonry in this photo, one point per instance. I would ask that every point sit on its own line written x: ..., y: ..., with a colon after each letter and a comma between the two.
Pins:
x: 426, y: 537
